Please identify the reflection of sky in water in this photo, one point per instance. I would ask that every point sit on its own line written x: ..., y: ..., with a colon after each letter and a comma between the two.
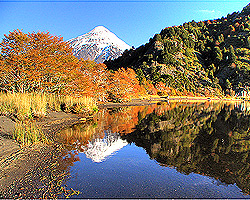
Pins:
x: 131, y: 173
x: 110, y: 167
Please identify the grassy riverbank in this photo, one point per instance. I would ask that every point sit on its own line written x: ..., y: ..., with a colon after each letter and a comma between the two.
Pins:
x: 26, y: 108
x: 43, y: 161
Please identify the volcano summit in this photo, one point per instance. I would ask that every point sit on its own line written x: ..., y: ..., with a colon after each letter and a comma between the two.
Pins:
x: 99, y: 45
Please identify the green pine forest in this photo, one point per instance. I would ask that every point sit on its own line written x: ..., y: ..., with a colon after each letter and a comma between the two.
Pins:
x: 209, y: 58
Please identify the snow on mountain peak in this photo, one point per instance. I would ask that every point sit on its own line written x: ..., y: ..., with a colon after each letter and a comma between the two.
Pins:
x: 99, y: 44
x: 100, y: 28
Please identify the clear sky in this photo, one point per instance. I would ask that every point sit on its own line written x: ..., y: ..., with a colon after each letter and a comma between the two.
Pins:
x: 134, y: 21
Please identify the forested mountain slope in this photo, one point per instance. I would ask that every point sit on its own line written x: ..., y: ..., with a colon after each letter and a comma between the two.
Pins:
x: 206, y: 57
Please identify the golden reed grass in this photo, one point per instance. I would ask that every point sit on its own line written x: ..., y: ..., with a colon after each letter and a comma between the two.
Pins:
x: 29, y: 105
x: 25, y: 107
x: 29, y: 133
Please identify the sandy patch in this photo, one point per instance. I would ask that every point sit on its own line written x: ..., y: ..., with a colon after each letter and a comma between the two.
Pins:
x: 22, y: 169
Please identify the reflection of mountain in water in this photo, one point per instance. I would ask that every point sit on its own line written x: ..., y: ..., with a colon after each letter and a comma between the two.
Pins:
x: 99, y: 149
x: 95, y: 141
x: 211, y: 139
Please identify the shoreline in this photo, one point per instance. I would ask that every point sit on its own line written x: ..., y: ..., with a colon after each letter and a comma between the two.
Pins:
x: 16, y: 161
x: 51, y: 124
x: 56, y: 121
x: 152, y: 100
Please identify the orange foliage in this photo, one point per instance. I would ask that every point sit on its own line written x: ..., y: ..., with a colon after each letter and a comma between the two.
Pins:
x: 149, y: 88
x: 90, y: 79
x: 40, y: 62
x: 209, y: 22
x: 124, y: 85
x: 35, y: 62
x: 162, y: 89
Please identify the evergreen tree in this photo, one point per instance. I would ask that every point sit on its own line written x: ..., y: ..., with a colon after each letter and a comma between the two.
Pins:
x: 228, y: 85
x: 232, y: 57
x: 218, y: 54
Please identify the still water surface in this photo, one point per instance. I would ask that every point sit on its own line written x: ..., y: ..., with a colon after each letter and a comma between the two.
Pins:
x: 167, y: 150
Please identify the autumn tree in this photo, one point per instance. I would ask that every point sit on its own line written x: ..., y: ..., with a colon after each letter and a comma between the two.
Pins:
x: 35, y: 62
x: 92, y: 79
x: 162, y: 89
x: 124, y: 85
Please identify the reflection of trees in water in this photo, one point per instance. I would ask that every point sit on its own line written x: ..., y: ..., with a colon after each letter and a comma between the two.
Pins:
x: 211, y: 140
x: 122, y: 120
x: 53, y: 168
x: 79, y: 135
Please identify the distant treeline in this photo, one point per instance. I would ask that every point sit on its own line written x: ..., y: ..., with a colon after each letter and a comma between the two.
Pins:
x: 206, y: 57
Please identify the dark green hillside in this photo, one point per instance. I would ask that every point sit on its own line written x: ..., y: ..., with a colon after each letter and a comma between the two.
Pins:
x: 206, y: 57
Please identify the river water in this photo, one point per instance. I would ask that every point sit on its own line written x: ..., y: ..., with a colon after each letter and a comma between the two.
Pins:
x: 164, y: 150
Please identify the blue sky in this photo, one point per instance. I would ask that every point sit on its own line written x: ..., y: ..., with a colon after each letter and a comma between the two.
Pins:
x: 134, y: 21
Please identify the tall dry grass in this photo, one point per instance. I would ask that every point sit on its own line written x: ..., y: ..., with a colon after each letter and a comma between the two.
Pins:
x: 26, y: 106
x: 23, y: 106
x: 29, y: 133
x: 71, y: 104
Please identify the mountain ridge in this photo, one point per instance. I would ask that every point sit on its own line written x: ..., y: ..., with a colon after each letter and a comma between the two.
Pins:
x: 210, y: 57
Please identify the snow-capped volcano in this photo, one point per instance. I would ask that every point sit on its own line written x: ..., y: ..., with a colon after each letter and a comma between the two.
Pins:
x: 99, y: 45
